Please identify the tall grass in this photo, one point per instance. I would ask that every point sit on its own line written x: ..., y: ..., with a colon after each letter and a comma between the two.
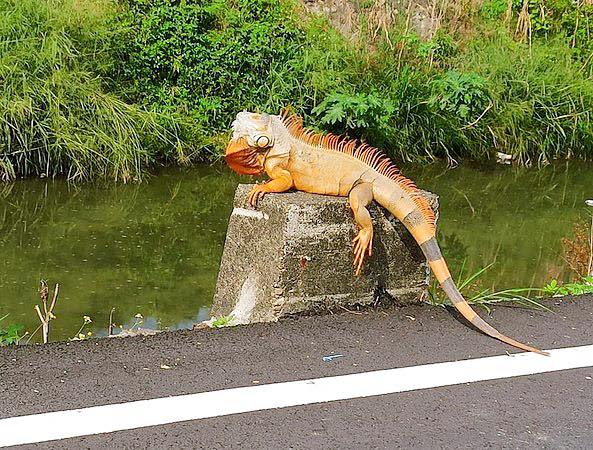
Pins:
x: 475, y: 295
x: 56, y: 115
x: 542, y: 98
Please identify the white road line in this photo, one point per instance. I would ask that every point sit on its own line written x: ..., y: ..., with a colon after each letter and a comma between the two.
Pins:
x: 144, y: 413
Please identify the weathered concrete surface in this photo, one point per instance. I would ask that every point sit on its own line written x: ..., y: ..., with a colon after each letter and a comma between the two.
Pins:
x: 294, y: 254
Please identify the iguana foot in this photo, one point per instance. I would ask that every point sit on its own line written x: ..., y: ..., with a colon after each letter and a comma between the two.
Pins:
x: 363, y: 244
x: 256, y: 193
x: 281, y: 183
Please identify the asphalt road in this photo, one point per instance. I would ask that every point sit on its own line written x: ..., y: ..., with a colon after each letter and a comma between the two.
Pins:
x: 552, y: 410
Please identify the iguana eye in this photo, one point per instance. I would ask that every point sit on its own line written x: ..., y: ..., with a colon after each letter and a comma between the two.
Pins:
x: 262, y: 141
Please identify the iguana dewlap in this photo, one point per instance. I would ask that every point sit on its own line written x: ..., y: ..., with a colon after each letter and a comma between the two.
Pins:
x: 295, y: 158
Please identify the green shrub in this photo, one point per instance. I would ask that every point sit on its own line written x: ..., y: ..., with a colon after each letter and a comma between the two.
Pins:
x: 463, y: 95
x: 211, y: 59
x: 353, y: 112
x: 496, y: 94
x: 57, y: 117
x: 101, y: 89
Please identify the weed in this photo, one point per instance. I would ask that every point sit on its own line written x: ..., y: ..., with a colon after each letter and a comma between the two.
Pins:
x: 57, y: 115
x: 11, y: 333
x: 584, y: 286
x: 463, y: 95
x: 138, y: 320
x: 80, y: 336
x: 210, y: 58
x: 474, y: 295
x: 222, y: 321
x: 352, y: 112
x: 108, y: 89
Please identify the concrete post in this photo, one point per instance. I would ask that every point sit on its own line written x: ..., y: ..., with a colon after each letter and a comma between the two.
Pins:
x: 294, y: 255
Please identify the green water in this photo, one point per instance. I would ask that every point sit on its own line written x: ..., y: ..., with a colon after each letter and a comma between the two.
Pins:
x: 154, y: 248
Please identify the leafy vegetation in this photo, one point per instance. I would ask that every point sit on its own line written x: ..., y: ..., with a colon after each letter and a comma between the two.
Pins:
x: 210, y: 58
x: 450, y: 96
x: 541, y: 103
x: 584, y: 286
x: 10, y: 334
x: 463, y: 95
x: 111, y: 87
x: 533, y: 101
x: 569, y: 20
x: 223, y: 321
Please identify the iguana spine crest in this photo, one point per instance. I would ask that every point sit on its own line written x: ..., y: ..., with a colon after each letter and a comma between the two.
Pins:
x: 371, y: 156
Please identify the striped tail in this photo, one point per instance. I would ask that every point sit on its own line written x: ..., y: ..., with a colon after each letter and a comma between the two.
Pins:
x: 405, y: 201
x: 439, y: 268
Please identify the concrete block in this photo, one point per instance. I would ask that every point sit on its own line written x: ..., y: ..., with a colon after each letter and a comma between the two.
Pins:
x: 294, y: 255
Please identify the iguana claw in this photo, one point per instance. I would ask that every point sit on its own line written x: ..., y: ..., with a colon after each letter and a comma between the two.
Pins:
x: 255, y: 194
x: 363, y: 244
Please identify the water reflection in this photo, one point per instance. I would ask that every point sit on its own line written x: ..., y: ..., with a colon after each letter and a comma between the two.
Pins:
x: 514, y: 216
x: 154, y: 248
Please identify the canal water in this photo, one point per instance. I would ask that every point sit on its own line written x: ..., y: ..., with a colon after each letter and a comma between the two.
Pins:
x: 153, y: 249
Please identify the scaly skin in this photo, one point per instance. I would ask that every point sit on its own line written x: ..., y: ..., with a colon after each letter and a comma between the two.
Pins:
x: 295, y: 158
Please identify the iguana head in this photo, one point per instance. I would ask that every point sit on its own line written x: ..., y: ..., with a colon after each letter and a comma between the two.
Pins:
x: 250, y: 144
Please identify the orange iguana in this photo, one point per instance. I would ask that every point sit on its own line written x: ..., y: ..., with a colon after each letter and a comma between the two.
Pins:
x: 294, y: 157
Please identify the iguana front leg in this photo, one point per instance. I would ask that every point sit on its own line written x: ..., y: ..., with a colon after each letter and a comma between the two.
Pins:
x: 280, y: 181
x: 360, y: 197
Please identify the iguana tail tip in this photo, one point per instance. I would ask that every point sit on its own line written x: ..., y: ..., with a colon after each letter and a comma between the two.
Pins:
x: 463, y: 307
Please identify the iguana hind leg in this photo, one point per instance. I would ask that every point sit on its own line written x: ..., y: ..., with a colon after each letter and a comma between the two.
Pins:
x: 360, y: 197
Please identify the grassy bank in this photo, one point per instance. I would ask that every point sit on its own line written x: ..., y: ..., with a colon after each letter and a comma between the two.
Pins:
x: 106, y: 89
x: 57, y: 115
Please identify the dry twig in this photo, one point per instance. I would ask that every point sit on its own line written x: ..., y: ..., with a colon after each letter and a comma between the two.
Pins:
x: 47, y: 314
x: 111, y: 321
x: 523, y: 30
